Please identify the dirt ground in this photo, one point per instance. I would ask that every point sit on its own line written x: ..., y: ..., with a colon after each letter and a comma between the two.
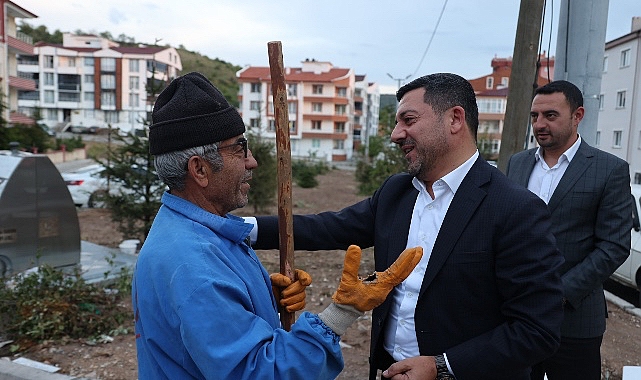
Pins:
x: 117, y: 359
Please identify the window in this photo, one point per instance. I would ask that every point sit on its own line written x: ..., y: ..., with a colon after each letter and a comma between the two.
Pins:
x: 51, y: 114
x: 637, y: 178
x: 292, y: 89
x: 48, y: 79
x: 89, y: 96
x: 616, y: 139
x: 601, y: 102
x: 625, y: 58
x: 292, y: 107
x: 49, y: 96
x: 605, y: 64
x: 339, y: 144
x: 317, y: 107
x: 340, y: 109
x: 315, y: 143
x: 89, y: 78
x: 108, y: 82
x: 639, y: 142
x: 254, y: 123
x: 48, y: 62
x: 316, y: 124
x: 621, y: 99
x: 341, y: 91
x: 108, y: 98
x: 271, y: 126
x: 255, y: 87
x: 108, y: 64
x: 489, y: 82
x: 292, y: 126
x: 597, y: 142
x: 339, y: 127
x: 89, y: 61
x: 71, y: 61
x: 134, y: 65
x: 133, y: 100
x: 134, y: 83
x: 254, y: 105
x: 491, y: 105
x: 68, y: 96
x: 317, y: 89
x: 505, y: 81
x: 111, y: 117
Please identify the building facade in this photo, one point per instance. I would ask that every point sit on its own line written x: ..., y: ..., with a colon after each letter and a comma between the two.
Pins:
x: 619, y: 126
x: 330, y: 110
x: 92, y: 81
x: 12, y: 45
x: 491, y: 96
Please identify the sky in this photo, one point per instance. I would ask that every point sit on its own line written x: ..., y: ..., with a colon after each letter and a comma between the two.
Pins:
x: 384, y: 40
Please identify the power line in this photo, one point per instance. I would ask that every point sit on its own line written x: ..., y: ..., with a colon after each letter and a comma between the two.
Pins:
x: 431, y: 38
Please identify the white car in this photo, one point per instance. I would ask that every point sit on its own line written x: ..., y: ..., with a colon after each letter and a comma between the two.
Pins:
x: 86, y: 185
x: 629, y: 273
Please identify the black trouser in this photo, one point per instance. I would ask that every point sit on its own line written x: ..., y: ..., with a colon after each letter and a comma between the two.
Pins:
x: 576, y: 359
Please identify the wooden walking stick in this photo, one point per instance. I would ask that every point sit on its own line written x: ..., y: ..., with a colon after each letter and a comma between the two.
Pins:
x: 284, y: 160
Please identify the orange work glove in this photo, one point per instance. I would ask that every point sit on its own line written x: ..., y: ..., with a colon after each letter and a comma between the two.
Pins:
x: 288, y: 293
x: 366, y: 294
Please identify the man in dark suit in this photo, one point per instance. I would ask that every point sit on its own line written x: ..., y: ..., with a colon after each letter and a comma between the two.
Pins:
x: 485, y: 301
x: 588, y: 195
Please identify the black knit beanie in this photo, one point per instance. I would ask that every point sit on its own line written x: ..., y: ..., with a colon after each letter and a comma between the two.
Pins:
x: 191, y: 112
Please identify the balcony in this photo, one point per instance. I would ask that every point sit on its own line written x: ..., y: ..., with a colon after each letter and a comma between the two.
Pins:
x: 21, y: 44
x: 22, y: 83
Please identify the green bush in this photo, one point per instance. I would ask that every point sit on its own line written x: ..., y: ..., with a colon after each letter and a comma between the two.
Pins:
x: 304, y: 172
x: 70, y: 144
x: 51, y: 305
x: 30, y: 138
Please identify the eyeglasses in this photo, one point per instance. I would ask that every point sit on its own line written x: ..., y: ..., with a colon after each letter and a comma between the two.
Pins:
x: 242, y: 142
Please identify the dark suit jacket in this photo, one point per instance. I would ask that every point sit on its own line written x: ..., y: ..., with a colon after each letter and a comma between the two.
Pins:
x: 491, y: 297
x: 591, y: 221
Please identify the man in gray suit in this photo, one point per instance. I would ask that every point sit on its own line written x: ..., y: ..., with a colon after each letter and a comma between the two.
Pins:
x: 588, y: 195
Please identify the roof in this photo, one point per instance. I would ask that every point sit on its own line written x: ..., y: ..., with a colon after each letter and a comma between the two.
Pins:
x: 494, y: 92
x: 119, y: 49
x: 293, y: 74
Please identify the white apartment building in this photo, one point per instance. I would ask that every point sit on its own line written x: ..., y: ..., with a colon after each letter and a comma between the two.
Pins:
x: 13, y: 44
x: 327, y: 108
x: 619, y: 126
x: 92, y: 81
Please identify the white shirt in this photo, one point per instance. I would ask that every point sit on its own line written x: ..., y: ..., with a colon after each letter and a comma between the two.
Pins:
x: 544, y: 179
x: 399, y: 333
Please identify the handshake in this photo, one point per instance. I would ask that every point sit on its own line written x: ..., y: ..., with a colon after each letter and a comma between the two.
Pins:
x: 354, y: 295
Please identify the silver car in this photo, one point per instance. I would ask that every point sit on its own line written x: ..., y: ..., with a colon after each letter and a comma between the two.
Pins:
x: 629, y: 273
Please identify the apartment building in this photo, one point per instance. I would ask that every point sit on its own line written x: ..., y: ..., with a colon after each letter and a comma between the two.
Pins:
x: 330, y: 109
x: 491, y: 97
x: 92, y: 81
x: 619, y: 126
x: 13, y: 44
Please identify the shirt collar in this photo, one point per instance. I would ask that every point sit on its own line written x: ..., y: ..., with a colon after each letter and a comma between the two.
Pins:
x: 454, y: 178
x: 569, y: 154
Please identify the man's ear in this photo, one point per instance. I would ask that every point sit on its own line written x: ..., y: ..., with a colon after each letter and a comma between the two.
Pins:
x: 197, y: 169
x: 578, y: 115
x: 456, y: 119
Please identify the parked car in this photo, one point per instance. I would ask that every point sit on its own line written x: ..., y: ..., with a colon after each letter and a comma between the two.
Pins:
x: 86, y: 185
x: 629, y: 273
x: 83, y: 129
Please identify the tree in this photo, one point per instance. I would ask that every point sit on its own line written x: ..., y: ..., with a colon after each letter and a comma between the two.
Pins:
x: 265, y: 177
x: 385, y: 158
x: 130, y: 165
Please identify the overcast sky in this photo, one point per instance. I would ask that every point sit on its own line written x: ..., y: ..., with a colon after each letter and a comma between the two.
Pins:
x: 376, y: 38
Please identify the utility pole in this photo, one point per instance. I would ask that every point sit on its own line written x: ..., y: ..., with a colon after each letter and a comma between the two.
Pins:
x: 580, y: 48
x: 522, y: 79
x: 398, y: 82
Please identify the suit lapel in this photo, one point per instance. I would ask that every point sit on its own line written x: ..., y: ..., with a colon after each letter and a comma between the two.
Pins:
x: 466, y: 200
x: 581, y: 161
x: 400, y: 225
x: 520, y: 173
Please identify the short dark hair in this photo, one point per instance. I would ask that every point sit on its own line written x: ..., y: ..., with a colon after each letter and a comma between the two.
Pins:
x: 444, y: 91
x: 571, y: 92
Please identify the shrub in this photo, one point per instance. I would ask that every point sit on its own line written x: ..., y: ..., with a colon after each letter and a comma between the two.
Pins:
x: 49, y: 304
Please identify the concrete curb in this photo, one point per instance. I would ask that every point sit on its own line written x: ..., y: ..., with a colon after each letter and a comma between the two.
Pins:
x: 623, y: 304
x: 13, y: 371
